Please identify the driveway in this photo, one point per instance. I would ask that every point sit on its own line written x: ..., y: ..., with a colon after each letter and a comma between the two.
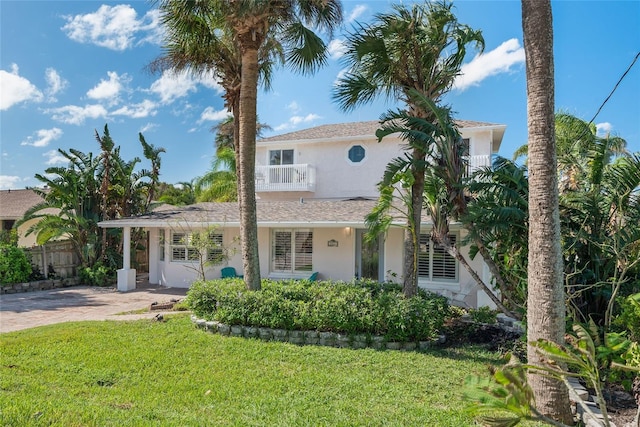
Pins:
x: 31, y: 309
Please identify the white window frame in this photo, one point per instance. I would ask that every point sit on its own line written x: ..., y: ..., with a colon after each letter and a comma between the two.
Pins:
x: 299, y: 253
x: 216, y: 239
x: 428, y: 251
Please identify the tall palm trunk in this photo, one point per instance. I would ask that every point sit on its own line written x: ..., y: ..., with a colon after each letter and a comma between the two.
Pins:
x: 247, y: 151
x: 410, y: 282
x: 545, y: 301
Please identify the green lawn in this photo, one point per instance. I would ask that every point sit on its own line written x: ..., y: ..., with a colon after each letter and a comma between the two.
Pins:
x: 147, y: 373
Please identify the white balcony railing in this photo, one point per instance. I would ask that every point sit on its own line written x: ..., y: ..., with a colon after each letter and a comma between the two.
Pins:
x: 286, y: 178
x: 477, y: 162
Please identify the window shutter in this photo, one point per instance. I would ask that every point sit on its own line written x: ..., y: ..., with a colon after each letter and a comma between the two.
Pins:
x: 444, y: 265
x: 304, y: 251
x: 281, y: 251
x: 214, y: 254
x: 423, y: 256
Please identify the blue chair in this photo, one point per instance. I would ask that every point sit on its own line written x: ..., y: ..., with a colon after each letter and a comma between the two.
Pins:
x: 313, y: 277
x: 229, y: 273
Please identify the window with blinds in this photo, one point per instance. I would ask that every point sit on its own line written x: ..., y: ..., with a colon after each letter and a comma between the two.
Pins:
x: 181, y: 249
x: 291, y: 251
x: 434, y: 263
x: 215, y: 254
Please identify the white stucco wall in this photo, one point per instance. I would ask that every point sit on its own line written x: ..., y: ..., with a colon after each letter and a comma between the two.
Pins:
x: 332, y: 263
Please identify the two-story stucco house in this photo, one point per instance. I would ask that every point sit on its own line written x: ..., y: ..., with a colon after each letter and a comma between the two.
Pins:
x: 314, y: 189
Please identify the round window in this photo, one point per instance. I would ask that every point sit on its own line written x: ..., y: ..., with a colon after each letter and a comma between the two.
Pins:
x: 356, y: 153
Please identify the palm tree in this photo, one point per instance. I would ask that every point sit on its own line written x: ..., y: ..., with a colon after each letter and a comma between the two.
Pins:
x: 417, y: 49
x: 545, y: 296
x: 246, y: 28
x: 219, y: 184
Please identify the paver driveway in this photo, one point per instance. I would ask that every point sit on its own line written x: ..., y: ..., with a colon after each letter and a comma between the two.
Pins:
x: 30, y: 309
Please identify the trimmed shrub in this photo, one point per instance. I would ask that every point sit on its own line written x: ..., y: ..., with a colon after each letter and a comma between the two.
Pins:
x: 98, y: 275
x: 14, y: 265
x: 362, y: 307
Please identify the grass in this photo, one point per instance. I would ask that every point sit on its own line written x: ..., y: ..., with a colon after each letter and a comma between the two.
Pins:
x: 144, y: 373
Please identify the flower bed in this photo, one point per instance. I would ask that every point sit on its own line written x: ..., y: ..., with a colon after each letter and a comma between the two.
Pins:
x: 346, y: 309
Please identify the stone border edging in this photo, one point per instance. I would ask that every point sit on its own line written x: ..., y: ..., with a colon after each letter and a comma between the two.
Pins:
x: 328, y: 339
x: 39, y: 285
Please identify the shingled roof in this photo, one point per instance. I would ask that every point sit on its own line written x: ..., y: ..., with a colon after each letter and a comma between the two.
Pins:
x: 14, y: 203
x: 316, y: 213
x: 354, y: 129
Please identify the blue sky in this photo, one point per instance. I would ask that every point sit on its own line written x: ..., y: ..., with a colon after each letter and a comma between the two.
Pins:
x: 67, y: 68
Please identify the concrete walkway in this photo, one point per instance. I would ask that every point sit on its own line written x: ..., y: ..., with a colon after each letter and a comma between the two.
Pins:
x: 31, y: 309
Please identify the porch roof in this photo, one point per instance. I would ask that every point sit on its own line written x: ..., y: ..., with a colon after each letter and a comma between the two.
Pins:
x: 306, y: 213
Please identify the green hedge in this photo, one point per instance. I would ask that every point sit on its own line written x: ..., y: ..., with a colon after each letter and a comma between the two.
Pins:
x: 14, y: 265
x: 353, y: 308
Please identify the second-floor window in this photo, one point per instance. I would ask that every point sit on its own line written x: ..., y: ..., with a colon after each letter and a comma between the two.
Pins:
x: 280, y: 175
x: 280, y: 157
x: 434, y: 262
x: 356, y: 153
x: 291, y: 251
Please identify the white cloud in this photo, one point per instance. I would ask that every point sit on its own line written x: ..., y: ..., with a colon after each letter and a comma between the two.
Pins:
x: 15, y: 89
x: 337, y: 48
x: 499, y: 60
x: 604, y: 128
x: 9, y: 182
x: 171, y: 86
x: 148, y: 127
x: 75, y: 115
x: 55, y: 158
x: 295, y: 121
x: 145, y: 108
x: 210, y: 114
x: 43, y: 137
x: 357, y: 12
x: 108, y: 89
x: 55, y: 84
x: 340, y: 75
x: 293, y: 106
x: 113, y: 27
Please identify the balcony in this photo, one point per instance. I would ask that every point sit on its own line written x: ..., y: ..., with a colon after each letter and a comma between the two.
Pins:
x: 285, y: 178
x: 477, y: 162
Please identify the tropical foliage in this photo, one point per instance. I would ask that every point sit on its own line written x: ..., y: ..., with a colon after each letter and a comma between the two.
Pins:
x: 238, y: 39
x: 91, y: 189
x: 409, y: 52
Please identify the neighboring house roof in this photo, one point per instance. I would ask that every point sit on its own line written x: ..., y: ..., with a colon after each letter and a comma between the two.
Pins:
x: 14, y: 203
x: 316, y: 213
x: 361, y: 129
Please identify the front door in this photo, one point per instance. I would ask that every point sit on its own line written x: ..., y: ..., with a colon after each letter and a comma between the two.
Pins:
x: 369, y: 257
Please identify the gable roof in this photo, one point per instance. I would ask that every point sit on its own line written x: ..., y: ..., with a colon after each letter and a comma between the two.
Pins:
x: 354, y: 129
x: 14, y: 203
x: 312, y: 213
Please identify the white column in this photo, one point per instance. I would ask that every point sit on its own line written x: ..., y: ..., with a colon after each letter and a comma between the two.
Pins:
x: 126, y: 275
x: 154, y: 255
x: 126, y: 256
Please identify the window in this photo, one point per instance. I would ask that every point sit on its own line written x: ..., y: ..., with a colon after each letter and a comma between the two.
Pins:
x: 434, y: 263
x: 215, y: 254
x: 185, y: 247
x: 280, y: 157
x: 161, y: 244
x: 292, y: 251
x: 281, y: 175
x: 356, y: 153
